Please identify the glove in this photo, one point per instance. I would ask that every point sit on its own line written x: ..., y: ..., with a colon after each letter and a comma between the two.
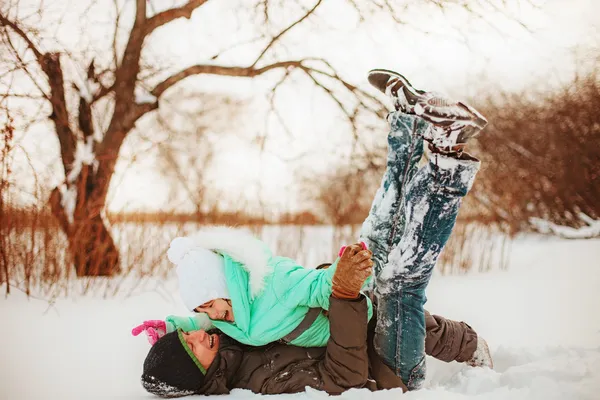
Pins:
x: 154, y: 330
x: 363, y: 244
x: 353, y: 269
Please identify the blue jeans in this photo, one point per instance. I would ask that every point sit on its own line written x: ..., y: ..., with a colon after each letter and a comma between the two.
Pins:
x: 411, y: 218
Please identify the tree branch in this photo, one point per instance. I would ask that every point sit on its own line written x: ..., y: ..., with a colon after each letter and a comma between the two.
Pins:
x: 22, y: 65
x: 246, y: 72
x: 167, y: 16
x: 50, y: 65
x: 126, y: 74
x: 84, y: 119
x: 6, y: 22
x: 283, y: 32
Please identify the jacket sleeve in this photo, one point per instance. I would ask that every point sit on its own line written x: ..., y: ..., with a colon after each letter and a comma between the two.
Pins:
x: 299, y: 286
x: 449, y: 340
x: 188, y: 323
x: 346, y: 362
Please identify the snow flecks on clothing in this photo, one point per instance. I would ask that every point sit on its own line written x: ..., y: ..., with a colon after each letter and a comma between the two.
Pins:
x: 162, y: 389
x: 463, y: 170
x: 419, y: 109
x: 380, y: 215
x: 84, y: 155
x: 407, y: 251
x: 586, y: 232
x: 401, y: 128
x: 143, y: 96
x: 450, y: 163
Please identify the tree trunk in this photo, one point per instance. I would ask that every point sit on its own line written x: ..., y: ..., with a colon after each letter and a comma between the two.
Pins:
x: 93, y: 250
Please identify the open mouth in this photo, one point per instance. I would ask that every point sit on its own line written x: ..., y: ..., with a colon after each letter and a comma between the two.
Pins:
x: 211, y: 341
x: 224, y: 316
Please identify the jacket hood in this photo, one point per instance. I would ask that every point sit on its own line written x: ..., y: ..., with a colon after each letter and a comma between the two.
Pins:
x: 238, y: 244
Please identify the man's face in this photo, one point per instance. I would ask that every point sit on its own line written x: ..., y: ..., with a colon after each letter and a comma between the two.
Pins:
x: 218, y: 309
x: 203, y: 345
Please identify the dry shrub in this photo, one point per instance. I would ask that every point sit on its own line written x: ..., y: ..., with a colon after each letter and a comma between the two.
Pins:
x: 540, y: 157
x: 473, y: 246
x: 36, y: 257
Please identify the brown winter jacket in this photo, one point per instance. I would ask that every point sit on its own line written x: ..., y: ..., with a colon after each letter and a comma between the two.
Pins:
x: 348, y: 361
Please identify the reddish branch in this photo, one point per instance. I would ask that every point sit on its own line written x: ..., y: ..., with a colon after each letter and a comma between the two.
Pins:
x: 167, y: 16
x: 6, y: 22
x: 50, y: 64
x: 126, y: 74
x: 247, y: 72
x: 86, y: 124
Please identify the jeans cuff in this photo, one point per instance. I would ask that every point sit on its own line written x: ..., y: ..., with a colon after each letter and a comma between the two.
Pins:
x: 455, y: 173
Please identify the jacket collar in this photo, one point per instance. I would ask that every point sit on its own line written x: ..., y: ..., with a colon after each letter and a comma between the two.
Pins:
x: 242, y: 247
x: 223, y: 368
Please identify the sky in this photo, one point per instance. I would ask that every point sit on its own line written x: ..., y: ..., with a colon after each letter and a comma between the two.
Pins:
x: 460, y: 55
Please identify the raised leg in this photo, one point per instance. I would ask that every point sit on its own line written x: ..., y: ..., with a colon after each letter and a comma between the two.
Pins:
x: 385, y: 220
x: 431, y: 204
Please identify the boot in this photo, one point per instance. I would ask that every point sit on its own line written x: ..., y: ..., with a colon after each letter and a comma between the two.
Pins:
x: 453, y: 123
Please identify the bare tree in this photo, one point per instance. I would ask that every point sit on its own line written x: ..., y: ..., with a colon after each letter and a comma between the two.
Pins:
x: 89, y: 163
x: 124, y: 89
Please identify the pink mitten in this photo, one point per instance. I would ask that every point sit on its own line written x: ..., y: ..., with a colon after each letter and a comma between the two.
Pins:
x: 363, y: 244
x: 154, y: 330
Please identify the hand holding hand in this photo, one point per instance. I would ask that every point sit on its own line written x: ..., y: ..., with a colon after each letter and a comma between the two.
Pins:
x: 353, y: 269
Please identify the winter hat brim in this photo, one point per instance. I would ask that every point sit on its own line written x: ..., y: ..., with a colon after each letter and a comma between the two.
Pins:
x: 190, y: 352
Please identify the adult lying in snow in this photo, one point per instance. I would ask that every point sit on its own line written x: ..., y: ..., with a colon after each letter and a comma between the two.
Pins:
x: 200, y: 362
x: 409, y: 223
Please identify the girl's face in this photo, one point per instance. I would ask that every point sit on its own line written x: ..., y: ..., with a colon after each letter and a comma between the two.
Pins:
x: 218, y: 309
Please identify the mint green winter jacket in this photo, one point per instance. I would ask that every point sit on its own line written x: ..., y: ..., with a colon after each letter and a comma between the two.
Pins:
x: 270, y: 295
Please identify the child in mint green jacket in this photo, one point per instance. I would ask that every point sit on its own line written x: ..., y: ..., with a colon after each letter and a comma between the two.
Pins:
x: 264, y: 298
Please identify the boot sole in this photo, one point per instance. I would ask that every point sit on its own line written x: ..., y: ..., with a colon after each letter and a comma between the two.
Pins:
x: 413, y: 96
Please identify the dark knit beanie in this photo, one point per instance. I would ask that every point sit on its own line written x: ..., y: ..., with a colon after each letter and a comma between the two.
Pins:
x: 171, y: 369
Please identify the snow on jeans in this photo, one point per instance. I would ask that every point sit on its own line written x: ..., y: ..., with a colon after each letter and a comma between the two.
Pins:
x: 411, y: 218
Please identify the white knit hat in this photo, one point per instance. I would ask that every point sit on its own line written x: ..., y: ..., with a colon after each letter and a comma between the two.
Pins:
x: 201, y: 272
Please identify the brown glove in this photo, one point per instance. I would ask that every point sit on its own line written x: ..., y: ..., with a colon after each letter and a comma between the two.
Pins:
x: 353, y: 269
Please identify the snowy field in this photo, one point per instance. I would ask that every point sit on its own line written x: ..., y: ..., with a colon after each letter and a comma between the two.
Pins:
x: 541, y: 319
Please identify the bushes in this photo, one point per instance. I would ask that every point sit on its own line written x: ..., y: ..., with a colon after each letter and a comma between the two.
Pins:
x: 541, y: 157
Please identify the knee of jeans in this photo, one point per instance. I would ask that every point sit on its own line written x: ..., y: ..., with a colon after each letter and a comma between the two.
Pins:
x: 418, y: 278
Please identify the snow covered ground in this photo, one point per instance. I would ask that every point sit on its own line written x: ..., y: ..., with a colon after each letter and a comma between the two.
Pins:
x: 540, y: 317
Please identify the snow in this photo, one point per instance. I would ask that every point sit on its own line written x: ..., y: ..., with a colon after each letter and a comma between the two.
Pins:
x: 540, y: 318
x: 68, y: 200
x: 405, y: 253
x: 87, y: 89
x: 591, y: 230
x: 84, y: 154
x: 143, y: 96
